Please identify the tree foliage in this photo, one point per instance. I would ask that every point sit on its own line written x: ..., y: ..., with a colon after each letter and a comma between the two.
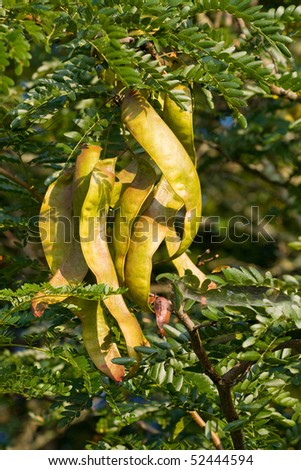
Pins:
x: 63, y: 70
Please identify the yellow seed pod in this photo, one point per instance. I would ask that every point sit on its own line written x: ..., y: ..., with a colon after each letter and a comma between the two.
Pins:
x: 162, y: 145
x: 97, y: 254
x: 180, y: 121
x: 96, y: 337
x: 129, y: 207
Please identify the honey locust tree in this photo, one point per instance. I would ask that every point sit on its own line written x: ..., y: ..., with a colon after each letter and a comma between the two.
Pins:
x: 114, y: 316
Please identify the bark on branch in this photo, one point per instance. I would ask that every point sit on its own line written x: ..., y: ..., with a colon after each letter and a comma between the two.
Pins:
x: 289, y: 94
x: 222, y: 383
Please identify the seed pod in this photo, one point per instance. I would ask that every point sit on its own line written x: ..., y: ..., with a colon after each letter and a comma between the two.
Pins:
x: 131, y: 202
x: 182, y: 262
x: 168, y: 153
x: 97, y: 254
x: 95, y: 330
x: 85, y: 162
x: 71, y: 267
x: 124, y: 178
x: 71, y: 271
x: 55, y: 220
x: 148, y: 233
x: 181, y: 121
x: 97, y: 338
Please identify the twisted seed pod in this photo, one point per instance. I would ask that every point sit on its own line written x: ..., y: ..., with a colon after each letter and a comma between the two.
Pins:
x: 131, y: 202
x: 124, y: 178
x: 181, y: 121
x: 85, y: 162
x: 54, y: 220
x: 67, y: 273
x: 68, y: 261
x: 183, y: 261
x: 168, y: 153
x: 95, y: 330
x: 97, y: 338
x: 97, y: 254
x: 151, y: 229
x: 148, y: 233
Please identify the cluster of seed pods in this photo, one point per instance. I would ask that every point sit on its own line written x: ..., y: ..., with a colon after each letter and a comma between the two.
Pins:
x: 146, y: 197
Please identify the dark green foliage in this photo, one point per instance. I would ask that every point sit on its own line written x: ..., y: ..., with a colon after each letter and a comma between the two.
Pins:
x: 63, y: 69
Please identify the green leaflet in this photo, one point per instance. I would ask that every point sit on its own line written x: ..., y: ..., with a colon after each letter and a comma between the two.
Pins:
x: 168, y: 153
x: 96, y: 251
x: 131, y: 202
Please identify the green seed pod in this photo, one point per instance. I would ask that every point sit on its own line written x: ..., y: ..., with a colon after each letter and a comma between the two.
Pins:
x: 148, y: 233
x: 131, y: 202
x: 66, y: 260
x: 157, y: 139
x: 54, y: 220
x: 96, y: 337
x: 181, y: 121
x: 96, y: 251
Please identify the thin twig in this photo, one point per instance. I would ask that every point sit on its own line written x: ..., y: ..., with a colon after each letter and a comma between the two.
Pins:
x: 289, y: 94
x: 201, y: 423
x: 22, y: 183
x: 245, y: 166
x: 282, y: 184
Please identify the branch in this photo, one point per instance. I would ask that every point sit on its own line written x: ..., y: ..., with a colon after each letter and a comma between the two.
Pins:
x: 245, y: 166
x: 291, y: 343
x: 22, y: 183
x: 289, y: 94
x: 230, y: 414
x: 198, y: 346
x: 236, y: 371
x: 223, y: 386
